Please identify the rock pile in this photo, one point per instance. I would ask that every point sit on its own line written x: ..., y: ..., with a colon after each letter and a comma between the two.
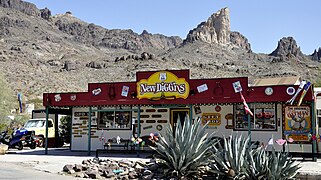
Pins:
x: 112, y: 169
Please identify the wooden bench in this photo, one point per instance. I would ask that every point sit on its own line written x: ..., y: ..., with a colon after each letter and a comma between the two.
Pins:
x: 124, y: 144
x: 129, y: 151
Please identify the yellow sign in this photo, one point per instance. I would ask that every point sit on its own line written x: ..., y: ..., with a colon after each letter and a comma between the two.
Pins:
x: 299, y: 137
x: 214, y: 119
x: 297, y: 124
x: 162, y: 85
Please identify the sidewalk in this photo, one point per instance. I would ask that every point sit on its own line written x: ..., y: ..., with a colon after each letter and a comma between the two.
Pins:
x: 56, y: 158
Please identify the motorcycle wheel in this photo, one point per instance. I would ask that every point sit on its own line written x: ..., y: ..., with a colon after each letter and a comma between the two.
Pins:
x: 19, y: 145
x: 41, y: 142
x: 33, y: 145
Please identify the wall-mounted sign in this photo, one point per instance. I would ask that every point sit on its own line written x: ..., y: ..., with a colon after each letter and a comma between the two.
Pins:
x: 297, y: 123
x: 73, y: 97
x: 218, y: 108
x: 162, y: 85
x: 83, y: 115
x: 57, y: 97
x: 202, y: 88
x: 213, y: 119
x: 290, y: 91
x: 96, y: 91
x: 237, y: 86
x: 197, y: 109
x: 268, y: 91
x: 124, y: 91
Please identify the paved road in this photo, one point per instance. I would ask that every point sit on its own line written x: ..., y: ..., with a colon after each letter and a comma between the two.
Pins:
x: 18, y: 172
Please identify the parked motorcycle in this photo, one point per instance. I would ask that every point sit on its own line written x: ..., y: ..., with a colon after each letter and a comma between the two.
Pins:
x: 29, y: 139
x: 12, y: 141
x: 18, y: 139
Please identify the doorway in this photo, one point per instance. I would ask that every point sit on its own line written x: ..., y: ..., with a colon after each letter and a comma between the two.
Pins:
x: 181, y: 113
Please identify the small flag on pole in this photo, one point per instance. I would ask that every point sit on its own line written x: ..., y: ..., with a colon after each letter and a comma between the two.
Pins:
x: 270, y: 141
x: 305, y: 90
x: 302, y: 83
x: 246, y: 107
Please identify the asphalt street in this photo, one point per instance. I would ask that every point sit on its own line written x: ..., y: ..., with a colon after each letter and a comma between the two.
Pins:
x: 10, y: 170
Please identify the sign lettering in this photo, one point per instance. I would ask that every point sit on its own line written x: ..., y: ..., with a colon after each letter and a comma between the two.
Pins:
x: 162, y: 85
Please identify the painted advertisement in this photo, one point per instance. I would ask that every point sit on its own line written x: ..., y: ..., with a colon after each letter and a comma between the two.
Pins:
x: 162, y: 85
x: 213, y: 119
x: 297, y: 124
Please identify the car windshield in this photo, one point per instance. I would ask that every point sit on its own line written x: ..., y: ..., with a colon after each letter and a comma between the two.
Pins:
x: 35, y: 123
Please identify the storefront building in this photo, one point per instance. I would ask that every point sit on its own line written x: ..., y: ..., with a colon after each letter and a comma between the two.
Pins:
x: 158, y: 98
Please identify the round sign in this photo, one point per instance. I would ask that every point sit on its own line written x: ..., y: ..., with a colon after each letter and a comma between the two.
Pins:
x: 159, y: 127
x: 268, y: 91
x: 218, y: 108
x: 290, y: 90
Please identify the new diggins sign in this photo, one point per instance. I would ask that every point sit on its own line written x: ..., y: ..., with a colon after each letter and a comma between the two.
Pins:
x: 164, y: 85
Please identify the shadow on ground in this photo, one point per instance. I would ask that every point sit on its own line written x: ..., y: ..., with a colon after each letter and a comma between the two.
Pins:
x: 65, y: 151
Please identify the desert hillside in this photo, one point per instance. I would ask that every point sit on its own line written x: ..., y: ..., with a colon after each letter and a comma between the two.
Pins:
x: 41, y: 52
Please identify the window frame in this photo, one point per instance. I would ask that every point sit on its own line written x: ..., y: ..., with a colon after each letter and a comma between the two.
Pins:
x: 254, y: 118
x: 115, y: 119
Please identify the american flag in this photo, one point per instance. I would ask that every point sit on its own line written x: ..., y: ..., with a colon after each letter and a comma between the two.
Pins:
x: 246, y: 107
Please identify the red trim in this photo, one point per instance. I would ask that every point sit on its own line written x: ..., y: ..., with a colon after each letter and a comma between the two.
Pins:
x: 219, y: 91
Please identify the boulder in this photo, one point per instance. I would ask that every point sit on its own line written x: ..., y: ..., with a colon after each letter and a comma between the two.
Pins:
x: 45, y: 13
x: 3, y: 149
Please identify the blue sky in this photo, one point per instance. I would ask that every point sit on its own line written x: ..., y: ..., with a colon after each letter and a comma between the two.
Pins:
x: 264, y: 23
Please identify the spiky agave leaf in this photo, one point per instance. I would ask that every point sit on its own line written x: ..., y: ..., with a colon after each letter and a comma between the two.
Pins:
x: 188, y: 150
x: 231, y: 157
x: 257, y: 166
x: 282, y: 166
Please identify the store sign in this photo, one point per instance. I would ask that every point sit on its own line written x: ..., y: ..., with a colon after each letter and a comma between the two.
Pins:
x: 83, y: 115
x: 297, y: 123
x: 213, y: 119
x: 162, y: 85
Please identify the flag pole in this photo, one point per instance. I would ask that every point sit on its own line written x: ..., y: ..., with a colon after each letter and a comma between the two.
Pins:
x: 249, y: 128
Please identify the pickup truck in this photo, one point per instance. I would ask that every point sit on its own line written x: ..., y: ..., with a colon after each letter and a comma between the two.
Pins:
x: 39, y: 126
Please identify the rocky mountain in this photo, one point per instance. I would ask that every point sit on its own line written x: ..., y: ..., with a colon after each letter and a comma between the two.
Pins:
x: 41, y: 52
x: 316, y: 56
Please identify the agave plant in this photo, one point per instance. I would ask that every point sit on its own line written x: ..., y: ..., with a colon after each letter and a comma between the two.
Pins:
x: 236, y: 161
x: 281, y: 166
x: 230, y: 161
x: 186, y: 151
x: 257, y: 167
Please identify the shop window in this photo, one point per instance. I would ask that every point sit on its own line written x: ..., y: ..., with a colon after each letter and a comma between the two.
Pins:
x: 264, y: 117
x: 114, y: 120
